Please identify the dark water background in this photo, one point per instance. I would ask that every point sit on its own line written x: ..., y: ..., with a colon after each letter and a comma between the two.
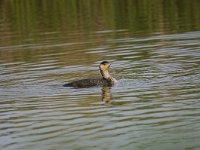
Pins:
x: 154, y: 48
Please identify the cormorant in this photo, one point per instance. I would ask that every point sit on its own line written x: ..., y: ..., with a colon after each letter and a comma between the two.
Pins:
x: 106, y: 80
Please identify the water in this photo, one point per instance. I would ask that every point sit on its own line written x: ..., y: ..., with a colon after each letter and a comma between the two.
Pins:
x: 154, y: 56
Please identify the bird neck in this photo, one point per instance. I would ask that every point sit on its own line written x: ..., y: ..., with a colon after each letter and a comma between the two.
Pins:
x: 106, y: 75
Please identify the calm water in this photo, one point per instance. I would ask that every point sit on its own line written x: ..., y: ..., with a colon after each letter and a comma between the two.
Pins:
x: 154, y: 48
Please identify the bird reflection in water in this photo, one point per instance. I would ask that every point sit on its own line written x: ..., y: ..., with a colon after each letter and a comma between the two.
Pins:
x: 106, y: 94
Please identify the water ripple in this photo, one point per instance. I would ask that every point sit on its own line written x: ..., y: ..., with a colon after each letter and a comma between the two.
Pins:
x: 157, y: 96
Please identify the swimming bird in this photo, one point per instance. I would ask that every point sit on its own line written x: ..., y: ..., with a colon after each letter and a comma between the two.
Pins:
x: 106, y: 80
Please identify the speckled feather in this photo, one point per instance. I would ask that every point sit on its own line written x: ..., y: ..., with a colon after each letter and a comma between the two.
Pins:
x: 84, y: 83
